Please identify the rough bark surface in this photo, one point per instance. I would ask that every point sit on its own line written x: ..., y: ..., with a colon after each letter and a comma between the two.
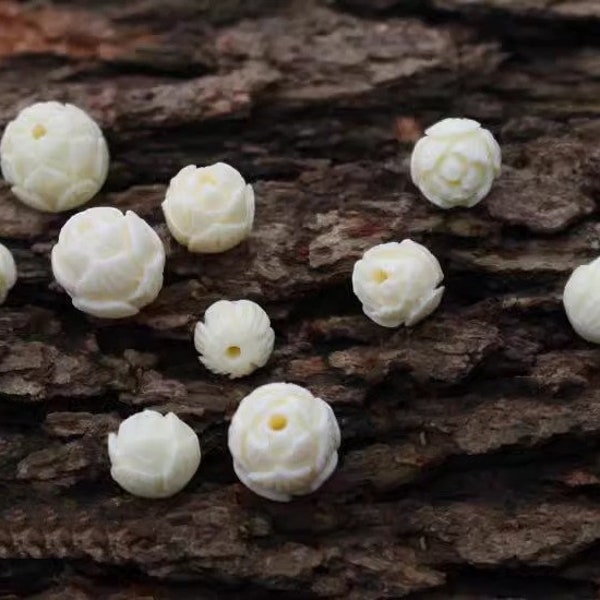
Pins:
x: 470, y: 466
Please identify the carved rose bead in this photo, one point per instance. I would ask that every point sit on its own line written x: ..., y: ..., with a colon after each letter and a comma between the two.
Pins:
x: 209, y: 209
x: 153, y: 456
x: 54, y: 155
x: 8, y: 272
x: 110, y: 263
x: 582, y: 301
x: 397, y: 283
x: 284, y: 441
x: 455, y: 163
x: 235, y: 339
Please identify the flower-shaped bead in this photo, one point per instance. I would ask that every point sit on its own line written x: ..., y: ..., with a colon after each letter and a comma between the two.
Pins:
x: 455, y: 163
x: 54, y: 155
x: 581, y: 299
x: 153, y: 456
x: 235, y: 339
x: 209, y: 209
x: 397, y: 283
x: 284, y: 441
x: 8, y: 272
x: 110, y: 264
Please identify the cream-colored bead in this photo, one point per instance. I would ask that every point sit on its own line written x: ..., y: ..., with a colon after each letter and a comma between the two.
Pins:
x: 209, y: 209
x: 397, y: 283
x: 455, y: 163
x: 235, y: 339
x: 54, y: 155
x: 581, y: 299
x: 153, y: 456
x: 284, y: 441
x: 110, y: 264
x: 8, y: 272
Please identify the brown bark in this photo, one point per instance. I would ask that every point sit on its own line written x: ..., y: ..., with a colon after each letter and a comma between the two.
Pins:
x: 469, y: 466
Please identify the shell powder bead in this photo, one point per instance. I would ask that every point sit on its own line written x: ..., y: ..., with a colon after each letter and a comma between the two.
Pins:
x: 110, y: 263
x: 54, y: 155
x: 581, y: 299
x: 235, y: 339
x: 397, y: 283
x: 455, y: 163
x: 8, y: 272
x: 209, y: 209
x: 284, y: 441
x: 153, y: 456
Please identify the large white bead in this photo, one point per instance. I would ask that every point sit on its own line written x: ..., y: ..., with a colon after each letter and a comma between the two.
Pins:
x: 8, y: 272
x: 284, y: 441
x: 54, y: 155
x: 209, y: 209
x: 582, y: 301
x: 110, y: 264
x: 235, y: 339
x: 397, y: 283
x: 153, y: 456
x: 455, y: 163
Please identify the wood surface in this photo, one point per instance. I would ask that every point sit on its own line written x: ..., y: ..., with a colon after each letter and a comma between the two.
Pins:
x: 470, y: 464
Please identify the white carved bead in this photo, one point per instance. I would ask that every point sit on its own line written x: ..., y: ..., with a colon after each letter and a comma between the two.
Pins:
x: 54, y: 155
x: 209, y: 209
x: 153, y: 456
x: 284, y: 441
x: 581, y: 299
x: 397, y: 283
x: 455, y: 163
x: 8, y: 272
x: 110, y: 264
x: 235, y: 339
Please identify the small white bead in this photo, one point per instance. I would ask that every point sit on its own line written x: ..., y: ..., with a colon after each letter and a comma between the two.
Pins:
x: 110, y: 264
x: 455, y: 163
x: 209, y: 209
x: 54, y: 155
x: 582, y: 301
x: 284, y: 441
x: 8, y: 272
x: 397, y: 283
x: 153, y: 456
x: 235, y: 339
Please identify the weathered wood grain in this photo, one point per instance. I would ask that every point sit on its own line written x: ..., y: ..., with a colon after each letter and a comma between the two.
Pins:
x: 470, y: 461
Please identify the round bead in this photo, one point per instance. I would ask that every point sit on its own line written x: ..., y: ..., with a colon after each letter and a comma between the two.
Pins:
x: 235, y: 339
x: 455, y: 163
x: 581, y: 299
x: 284, y: 441
x: 209, y: 209
x: 153, y: 456
x: 397, y: 283
x: 8, y: 272
x: 110, y: 263
x: 54, y: 155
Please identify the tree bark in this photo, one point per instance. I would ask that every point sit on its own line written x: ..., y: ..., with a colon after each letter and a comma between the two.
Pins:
x: 471, y: 443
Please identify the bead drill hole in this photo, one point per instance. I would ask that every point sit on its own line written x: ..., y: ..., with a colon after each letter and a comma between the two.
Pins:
x: 233, y: 351
x: 39, y: 131
x: 380, y: 276
x: 278, y: 422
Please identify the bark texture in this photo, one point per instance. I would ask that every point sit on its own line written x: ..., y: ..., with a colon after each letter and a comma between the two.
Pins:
x: 470, y: 466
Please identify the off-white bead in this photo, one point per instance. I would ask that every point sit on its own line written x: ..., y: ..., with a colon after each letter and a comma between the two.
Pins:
x: 209, y: 209
x: 8, y: 272
x: 54, y: 155
x: 455, y: 163
x: 582, y: 301
x: 235, y: 339
x: 284, y: 441
x: 110, y: 264
x: 153, y: 456
x: 397, y: 283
